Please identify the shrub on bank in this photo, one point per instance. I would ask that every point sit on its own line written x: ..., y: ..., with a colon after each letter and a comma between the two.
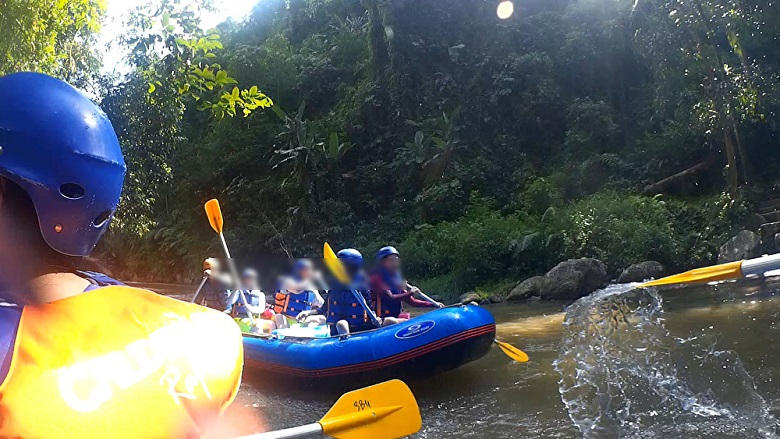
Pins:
x: 473, y: 250
x: 617, y: 229
x: 485, y: 248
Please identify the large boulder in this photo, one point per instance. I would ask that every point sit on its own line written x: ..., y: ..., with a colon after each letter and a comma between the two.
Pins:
x: 744, y: 245
x: 527, y: 289
x: 575, y: 278
x: 641, y: 272
x: 469, y: 297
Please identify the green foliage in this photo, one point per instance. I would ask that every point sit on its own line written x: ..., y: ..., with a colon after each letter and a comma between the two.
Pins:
x: 618, y: 230
x: 486, y: 250
x: 473, y: 250
x: 175, y: 52
x: 592, y: 128
x: 543, y: 193
x: 49, y: 36
x: 395, y: 112
x: 704, y: 40
x: 444, y: 286
x: 148, y: 131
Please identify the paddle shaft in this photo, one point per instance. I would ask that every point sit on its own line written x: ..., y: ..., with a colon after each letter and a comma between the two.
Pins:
x: 303, y: 431
x: 759, y: 266
x: 359, y: 297
x: 236, y: 278
x: 200, y: 287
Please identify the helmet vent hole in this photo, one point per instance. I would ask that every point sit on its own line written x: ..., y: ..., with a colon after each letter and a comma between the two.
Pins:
x: 101, y: 219
x: 72, y: 191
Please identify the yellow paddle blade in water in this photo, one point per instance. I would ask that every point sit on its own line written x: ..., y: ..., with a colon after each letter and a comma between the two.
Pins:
x: 215, y: 215
x: 335, y: 266
x: 383, y: 411
x: 731, y: 270
x: 512, y: 352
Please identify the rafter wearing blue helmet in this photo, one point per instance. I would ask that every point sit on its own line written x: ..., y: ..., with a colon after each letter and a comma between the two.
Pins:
x: 345, y: 313
x: 61, y: 174
x: 390, y: 290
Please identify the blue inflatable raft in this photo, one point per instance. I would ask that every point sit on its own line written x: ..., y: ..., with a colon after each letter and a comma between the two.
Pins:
x: 426, y: 345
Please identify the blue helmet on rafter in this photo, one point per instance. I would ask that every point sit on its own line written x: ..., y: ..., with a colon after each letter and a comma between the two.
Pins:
x: 62, y: 150
x: 387, y: 251
x: 351, y: 257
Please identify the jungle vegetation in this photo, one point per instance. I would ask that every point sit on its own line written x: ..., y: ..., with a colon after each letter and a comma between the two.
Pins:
x: 487, y: 150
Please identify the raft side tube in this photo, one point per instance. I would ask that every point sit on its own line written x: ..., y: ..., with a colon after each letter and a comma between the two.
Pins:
x: 434, y: 342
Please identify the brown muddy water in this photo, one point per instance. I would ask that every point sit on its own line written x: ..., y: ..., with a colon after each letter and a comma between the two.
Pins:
x: 683, y: 362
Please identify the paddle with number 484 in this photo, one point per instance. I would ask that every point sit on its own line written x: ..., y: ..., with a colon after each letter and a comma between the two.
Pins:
x: 383, y: 411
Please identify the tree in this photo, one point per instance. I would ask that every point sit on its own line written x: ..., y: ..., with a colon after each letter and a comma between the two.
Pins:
x: 703, y: 40
x: 50, y: 36
x: 176, y: 53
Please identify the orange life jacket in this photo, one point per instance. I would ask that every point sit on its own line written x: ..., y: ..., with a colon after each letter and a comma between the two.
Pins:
x: 119, y: 362
x: 292, y: 304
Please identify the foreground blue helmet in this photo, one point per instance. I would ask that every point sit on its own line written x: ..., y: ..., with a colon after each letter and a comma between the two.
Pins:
x: 386, y: 251
x: 62, y: 150
x: 351, y: 257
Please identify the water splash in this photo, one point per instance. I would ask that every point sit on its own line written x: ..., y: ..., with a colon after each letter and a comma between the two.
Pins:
x: 622, y: 374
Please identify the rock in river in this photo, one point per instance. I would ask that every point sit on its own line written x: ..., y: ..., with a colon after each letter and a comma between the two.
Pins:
x: 574, y: 278
x: 744, y: 245
x: 641, y: 272
x: 494, y: 299
x: 469, y: 297
x: 528, y: 288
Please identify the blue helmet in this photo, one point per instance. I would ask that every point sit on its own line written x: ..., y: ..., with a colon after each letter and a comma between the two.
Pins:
x: 301, y: 264
x: 350, y: 256
x: 386, y: 251
x: 249, y: 273
x: 62, y: 150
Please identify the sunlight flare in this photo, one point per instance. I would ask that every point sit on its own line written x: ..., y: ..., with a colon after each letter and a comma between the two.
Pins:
x: 505, y: 9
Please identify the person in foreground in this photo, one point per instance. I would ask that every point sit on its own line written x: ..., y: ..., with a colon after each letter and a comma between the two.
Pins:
x: 389, y: 289
x: 80, y: 359
x: 297, y: 296
x: 345, y: 311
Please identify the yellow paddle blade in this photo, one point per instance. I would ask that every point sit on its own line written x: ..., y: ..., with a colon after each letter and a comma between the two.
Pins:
x: 215, y: 215
x: 731, y: 270
x: 335, y: 266
x: 383, y: 411
x: 512, y: 352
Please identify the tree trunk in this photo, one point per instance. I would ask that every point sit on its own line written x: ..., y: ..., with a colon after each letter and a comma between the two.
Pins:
x: 732, y: 173
x: 380, y: 57
x: 678, y: 178
x: 743, y: 158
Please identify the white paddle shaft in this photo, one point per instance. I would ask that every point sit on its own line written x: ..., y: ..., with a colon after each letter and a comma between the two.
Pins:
x: 200, y: 287
x: 308, y: 430
x: 759, y: 266
x: 236, y: 278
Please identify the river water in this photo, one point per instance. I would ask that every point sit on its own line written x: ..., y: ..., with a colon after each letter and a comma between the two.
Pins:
x: 684, y: 362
